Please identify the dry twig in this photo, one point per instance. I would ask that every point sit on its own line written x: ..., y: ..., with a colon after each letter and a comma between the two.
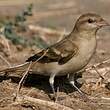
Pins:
x: 33, y: 101
x: 26, y: 73
x: 102, y: 78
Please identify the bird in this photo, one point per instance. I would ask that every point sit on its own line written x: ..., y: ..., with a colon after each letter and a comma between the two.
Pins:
x: 68, y: 56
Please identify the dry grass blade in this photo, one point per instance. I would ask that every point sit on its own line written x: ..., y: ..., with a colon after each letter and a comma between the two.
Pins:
x: 26, y: 73
x: 9, y: 65
x: 98, y: 64
x: 100, y: 81
x: 23, y: 78
x: 102, y: 77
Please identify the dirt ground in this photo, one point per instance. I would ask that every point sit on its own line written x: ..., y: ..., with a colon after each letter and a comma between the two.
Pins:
x: 57, y: 16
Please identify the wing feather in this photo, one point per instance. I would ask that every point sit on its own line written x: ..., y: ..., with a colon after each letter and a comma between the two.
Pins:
x: 61, y: 52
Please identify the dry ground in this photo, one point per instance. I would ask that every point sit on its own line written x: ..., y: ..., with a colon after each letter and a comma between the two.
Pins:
x: 58, y: 15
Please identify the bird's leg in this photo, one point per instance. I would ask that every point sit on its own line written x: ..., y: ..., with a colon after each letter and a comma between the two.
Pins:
x: 72, y: 81
x: 73, y: 84
x: 51, y: 81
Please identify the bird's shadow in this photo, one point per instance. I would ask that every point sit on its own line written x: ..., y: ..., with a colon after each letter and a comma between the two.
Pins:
x: 42, y: 82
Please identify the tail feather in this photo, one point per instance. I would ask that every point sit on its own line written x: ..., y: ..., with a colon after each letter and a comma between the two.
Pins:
x: 16, y: 69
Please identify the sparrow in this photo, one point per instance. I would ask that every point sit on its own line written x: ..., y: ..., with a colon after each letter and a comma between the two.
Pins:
x: 69, y: 55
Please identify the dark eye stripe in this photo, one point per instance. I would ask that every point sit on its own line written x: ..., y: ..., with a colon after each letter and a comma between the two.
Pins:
x: 90, y: 21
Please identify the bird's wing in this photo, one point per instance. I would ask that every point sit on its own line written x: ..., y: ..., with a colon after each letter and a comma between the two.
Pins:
x: 60, y: 52
x: 67, y: 50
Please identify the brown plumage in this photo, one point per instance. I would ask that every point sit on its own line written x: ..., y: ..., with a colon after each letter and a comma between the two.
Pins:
x: 69, y: 55
x: 61, y: 52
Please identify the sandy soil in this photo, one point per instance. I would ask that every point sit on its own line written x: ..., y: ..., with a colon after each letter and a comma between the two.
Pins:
x: 58, y: 16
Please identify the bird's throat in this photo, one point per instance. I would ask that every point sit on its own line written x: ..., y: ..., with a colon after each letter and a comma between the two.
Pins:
x: 86, y: 34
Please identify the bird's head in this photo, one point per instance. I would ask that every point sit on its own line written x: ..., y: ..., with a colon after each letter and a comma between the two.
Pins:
x: 90, y: 22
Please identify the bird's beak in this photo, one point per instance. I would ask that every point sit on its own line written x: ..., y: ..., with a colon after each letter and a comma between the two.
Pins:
x: 103, y: 23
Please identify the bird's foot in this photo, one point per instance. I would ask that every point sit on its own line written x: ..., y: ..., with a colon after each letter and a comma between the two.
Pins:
x: 55, y: 94
x: 82, y: 94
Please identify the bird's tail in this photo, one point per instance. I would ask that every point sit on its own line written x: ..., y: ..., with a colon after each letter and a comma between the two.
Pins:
x: 15, y: 70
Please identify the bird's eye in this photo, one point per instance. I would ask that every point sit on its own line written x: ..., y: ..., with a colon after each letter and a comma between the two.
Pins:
x: 90, y: 20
